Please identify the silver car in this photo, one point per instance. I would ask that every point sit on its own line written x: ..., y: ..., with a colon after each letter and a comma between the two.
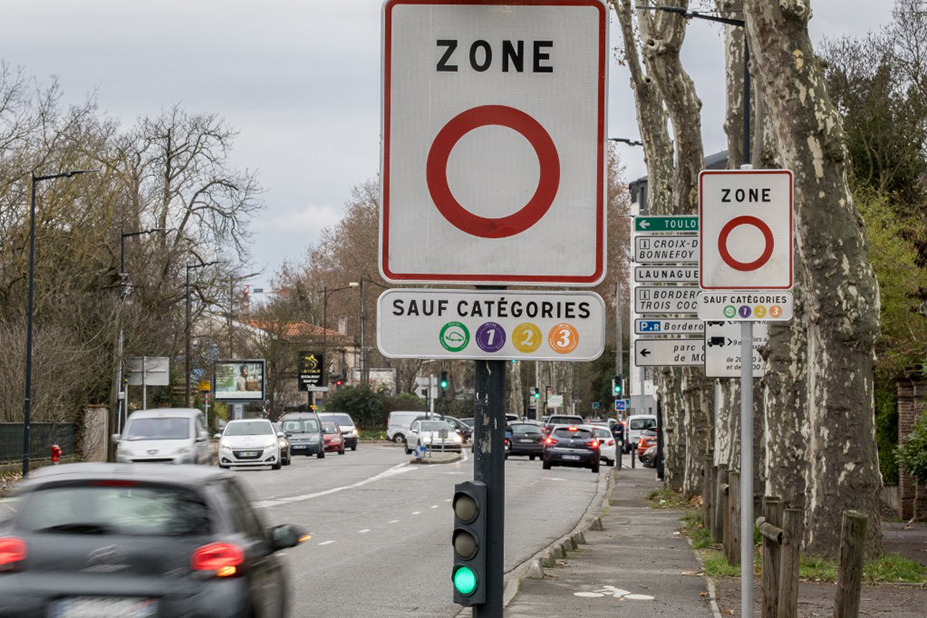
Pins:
x: 435, y: 435
x: 164, y: 435
x: 249, y: 443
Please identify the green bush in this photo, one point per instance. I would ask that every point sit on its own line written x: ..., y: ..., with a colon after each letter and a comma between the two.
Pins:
x: 886, y: 405
x: 364, y: 405
x: 912, y: 454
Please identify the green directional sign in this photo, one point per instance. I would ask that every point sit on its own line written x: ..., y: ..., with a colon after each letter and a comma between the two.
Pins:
x: 683, y: 223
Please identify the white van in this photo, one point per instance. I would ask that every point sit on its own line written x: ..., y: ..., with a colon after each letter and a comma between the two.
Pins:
x: 638, y: 423
x: 397, y: 427
x: 164, y: 435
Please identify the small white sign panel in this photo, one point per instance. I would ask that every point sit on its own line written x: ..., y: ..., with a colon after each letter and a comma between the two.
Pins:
x: 722, y: 349
x: 499, y: 325
x: 746, y: 306
x: 666, y: 249
x: 665, y: 299
x: 668, y: 326
x: 669, y: 352
x: 745, y: 225
x: 493, y: 141
x: 666, y: 274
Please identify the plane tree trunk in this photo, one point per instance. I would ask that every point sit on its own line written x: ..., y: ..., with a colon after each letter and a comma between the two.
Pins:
x: 841, y: 293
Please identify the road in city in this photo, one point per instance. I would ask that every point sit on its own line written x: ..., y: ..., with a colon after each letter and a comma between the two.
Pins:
x: 382, y: 527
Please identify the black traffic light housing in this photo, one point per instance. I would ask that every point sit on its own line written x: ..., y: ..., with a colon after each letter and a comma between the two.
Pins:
x: 443, y: 380
x: 616, y: 385
x: 469, y: 542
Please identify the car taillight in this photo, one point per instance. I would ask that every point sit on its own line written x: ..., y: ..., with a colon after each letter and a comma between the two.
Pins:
x: 550, y: 441
x: 611, y: 442
x: 222, y: 558
x: 593, y: 443
x: 12, y: 550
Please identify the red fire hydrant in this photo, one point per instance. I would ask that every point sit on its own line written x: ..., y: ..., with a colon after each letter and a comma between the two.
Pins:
x: 55, y: 453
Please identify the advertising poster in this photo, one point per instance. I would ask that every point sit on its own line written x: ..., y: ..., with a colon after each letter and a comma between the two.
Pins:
x: 239, y: 380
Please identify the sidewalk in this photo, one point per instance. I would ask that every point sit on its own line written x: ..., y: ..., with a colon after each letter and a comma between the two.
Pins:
x: 637, y: 566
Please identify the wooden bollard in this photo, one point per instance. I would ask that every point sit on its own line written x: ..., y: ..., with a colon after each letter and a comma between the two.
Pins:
x: 708, y: 490
x: 720, y: 504
x: 850, y: 570
x: 732, y: 543
x: 772, y: 513
x: 793, y: 522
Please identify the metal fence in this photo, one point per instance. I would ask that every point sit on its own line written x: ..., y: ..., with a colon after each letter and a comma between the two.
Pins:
x: 41, y: 438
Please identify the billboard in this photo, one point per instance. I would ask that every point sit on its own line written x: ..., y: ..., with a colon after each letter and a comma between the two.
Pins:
x: 239, y: 380
x: 310, y: 370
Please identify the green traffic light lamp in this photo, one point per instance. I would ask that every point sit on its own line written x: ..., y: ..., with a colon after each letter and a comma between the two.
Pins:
x: 465, y: 581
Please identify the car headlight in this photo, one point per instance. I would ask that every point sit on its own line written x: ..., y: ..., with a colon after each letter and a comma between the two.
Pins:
x: 313, y: 438
x: 281, y: 443
x: 456, y: 438
x: 270, y: 443
x: 225, y: 444
x: 354, y: 431
x: 183, y: 450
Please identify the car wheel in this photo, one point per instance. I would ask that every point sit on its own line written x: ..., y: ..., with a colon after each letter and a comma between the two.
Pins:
x: 399, y: 438
x: 408, y: 450
x: 595, y: 468
x: 531, y: 457
x: 276, y: 466
x: 354, y: 448
x: 341, y: 452
x: 288, y: 460
x: 547, y: 465
x: 321, y: 455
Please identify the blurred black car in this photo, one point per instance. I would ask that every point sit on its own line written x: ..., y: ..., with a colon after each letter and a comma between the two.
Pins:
x: 649, y: 458
x: 569, y: 445
x: 525, y: 439
x: 138, y: 541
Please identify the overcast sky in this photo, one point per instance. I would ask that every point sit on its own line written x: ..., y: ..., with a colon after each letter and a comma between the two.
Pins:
x: 300, y: 80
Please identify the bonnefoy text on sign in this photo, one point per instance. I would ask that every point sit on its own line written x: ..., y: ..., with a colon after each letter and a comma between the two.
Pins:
x: 466, y: 324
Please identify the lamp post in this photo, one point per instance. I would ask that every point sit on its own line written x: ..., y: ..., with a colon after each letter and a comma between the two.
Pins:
x: 121, y: 408
x: 625, y: 140
x: 325, y: 294
x: 187, y: 331
x: 30, y: 304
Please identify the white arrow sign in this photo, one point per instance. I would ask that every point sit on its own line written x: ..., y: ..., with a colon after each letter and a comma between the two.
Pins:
x: 669, y: 352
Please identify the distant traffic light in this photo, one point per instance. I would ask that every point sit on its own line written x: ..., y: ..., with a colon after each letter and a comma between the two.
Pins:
x: 443, y: 380
x: 616, y: 386
x: 469, y: 571
x: 533, y: 393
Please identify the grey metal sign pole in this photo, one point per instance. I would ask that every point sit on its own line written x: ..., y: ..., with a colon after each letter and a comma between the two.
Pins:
x: 746, y: 468
x: 489, y: 467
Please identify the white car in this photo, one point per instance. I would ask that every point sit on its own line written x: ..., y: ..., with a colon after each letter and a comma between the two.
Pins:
x: 434, y: 434
x: 164, y: 435
x: 249, y: 443
x: 608, y: 448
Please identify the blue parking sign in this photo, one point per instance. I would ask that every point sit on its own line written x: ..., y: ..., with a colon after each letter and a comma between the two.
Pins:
x: 621, y: 405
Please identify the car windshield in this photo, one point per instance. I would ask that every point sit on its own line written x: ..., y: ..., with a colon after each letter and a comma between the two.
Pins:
x: 330, y: 428
x: 525, y: 428
x: 434, y: 426
x: 573, y: 433
x: 309, y: 425
x: 163, y: 428
x: 115, y: 507
x: 602, y: 432
x: 563, y: 420
x: 341, y: 419
x: 643, y: 423
x: 249, y: 428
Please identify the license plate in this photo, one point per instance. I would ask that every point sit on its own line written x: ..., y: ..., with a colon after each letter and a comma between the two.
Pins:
x: 249, y: 453
x: 104, y: 607
x: 529, y: 441
x: 297, y: 447
x: 571, y: 457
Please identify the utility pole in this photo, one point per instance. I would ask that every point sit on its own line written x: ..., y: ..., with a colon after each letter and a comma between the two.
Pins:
x: 189, y: 326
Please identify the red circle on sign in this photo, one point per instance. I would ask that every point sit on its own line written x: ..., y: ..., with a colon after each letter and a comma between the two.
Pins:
x: 737, y: 222
x: 530, y: 213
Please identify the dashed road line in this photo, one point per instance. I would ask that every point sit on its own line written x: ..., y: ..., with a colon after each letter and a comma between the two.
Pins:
x: 417, y: 513
x: 395, y: 521
x: 325, y: 543
x: 364, y: 531
x: 434, y: 506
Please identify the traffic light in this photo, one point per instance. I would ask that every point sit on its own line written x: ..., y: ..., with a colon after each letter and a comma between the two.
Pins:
x: 616, y: 386
x: 443, y: 380
x: 469, y: 571
x: 534, y: 393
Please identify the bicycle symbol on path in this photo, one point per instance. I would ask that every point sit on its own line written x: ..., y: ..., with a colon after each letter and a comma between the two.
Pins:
x: 612, y: 591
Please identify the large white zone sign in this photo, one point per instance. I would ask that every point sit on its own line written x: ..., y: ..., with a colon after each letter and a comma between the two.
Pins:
x: 493, y: 151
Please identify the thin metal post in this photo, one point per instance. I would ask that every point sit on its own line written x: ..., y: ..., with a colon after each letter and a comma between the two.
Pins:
x: 746, y: 468
x: 489, y: 467
x: 746, y: 158
x: 363, y: 339
x: 144, y: 383
x: 27, y: 399
x: 325, y: 359
x: 186, y: 360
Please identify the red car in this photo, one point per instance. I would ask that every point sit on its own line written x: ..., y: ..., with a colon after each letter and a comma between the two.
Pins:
x: 332, y: 438
x: 648, y: 439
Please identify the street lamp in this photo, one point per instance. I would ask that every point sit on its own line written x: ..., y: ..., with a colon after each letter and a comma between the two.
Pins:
x: 325, y: 293
x: 121, y: 408
x: 363, y: 322
x: 188, y: 327
x: 625, y: 140
x: 30, y: 302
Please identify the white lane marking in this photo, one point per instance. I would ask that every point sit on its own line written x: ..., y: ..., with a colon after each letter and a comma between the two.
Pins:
x: 364, y: 531
x: 434, y: 506
x: 397, y: 469
x: 395, y: 521
x: 417, y: 513
x: 326, y: 543
x: 449, y: 499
